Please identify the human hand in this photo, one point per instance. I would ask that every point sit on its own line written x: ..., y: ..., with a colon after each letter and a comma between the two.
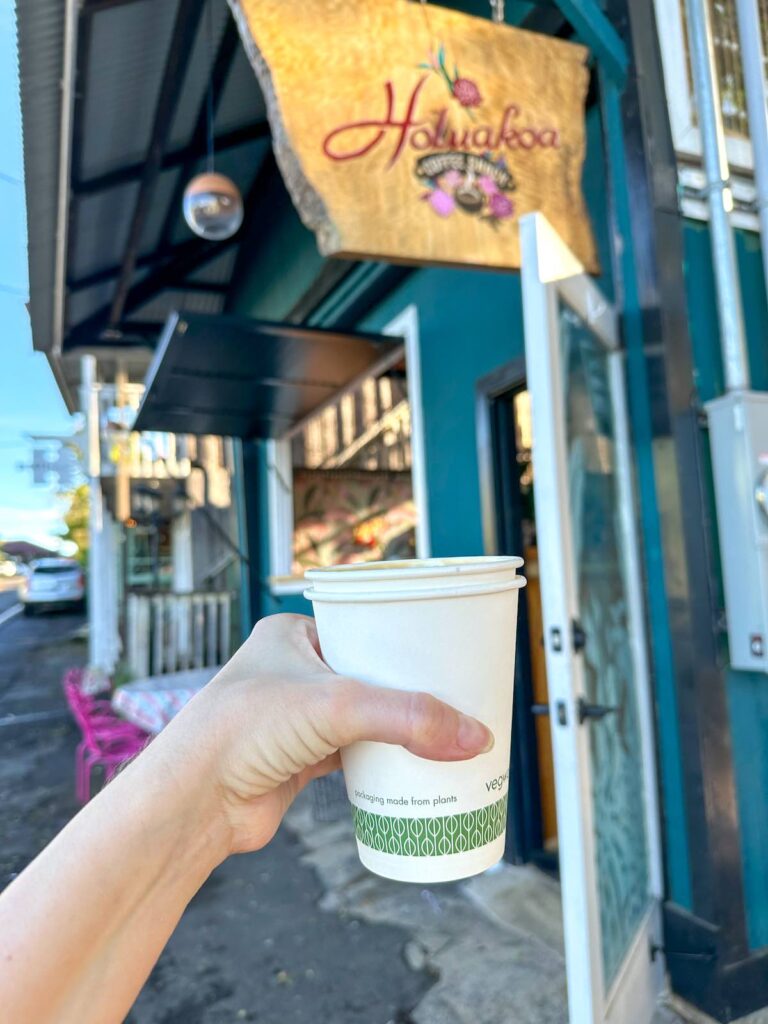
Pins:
x: 275, y: 717
x: 217, y: 780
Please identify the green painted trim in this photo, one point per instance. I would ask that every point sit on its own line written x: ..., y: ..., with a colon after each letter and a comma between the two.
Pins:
x: 601, y: 37
x: 355, y: 284
x: 670, y: 768
x: 431, y: 837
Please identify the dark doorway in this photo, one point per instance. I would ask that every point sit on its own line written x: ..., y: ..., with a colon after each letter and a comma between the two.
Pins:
x: 506, y: 461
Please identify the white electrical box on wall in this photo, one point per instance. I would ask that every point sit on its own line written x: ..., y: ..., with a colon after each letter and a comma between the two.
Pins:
x: 738, y: 434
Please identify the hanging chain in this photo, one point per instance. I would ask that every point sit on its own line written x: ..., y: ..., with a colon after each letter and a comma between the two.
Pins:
x: 209, y: 116
x: 497, y: 7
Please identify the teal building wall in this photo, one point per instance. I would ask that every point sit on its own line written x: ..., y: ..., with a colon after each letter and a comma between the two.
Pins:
x: 470, y: 323
x: 747, y: 691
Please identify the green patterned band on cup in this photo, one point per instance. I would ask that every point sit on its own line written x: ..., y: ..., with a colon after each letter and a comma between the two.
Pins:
x: 431, y: 837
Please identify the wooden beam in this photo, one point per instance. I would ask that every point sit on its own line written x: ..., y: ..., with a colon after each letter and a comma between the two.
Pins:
x: 94, y: 6
x: 179, y: 52
x: 596, y: 31
x: 82, y: 60
x: 131, y: 331
x: 150, y: 259
x: 332, y: 273
x: 169, y: 274
x: 222, y: 64
x: 204, y: 287
x: 174, y: 158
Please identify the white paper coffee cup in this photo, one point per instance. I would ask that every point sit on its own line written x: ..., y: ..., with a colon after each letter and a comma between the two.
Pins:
x: 446, y: 626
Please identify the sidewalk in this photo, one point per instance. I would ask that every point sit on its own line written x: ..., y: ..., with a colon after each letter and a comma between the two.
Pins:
x: 486, y: 969
x: 299, y: 933
x: 493, y: 944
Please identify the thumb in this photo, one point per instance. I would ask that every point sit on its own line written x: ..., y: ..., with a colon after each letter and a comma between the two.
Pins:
x: 417, y: 721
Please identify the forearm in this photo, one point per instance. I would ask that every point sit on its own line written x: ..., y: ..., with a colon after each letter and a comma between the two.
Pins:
x: 81, y: 928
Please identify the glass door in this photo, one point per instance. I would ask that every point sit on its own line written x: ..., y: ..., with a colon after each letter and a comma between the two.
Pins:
x: 599, y: 693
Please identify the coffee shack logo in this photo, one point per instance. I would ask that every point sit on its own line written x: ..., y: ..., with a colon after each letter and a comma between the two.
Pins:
x: 460, y: 162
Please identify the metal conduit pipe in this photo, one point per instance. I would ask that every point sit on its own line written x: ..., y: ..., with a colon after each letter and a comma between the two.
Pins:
x: 752, y: 59
x: 719, y: 197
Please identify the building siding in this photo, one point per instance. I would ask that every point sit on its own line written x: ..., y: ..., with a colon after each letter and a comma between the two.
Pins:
x: 747, y: 691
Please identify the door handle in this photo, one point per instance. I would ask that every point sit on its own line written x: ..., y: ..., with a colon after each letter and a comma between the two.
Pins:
x: 539, y: 709
x: 593, y: 711
x: 578, y: 636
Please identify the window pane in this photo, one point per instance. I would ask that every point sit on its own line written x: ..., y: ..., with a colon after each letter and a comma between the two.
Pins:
x: 599, y: 552
x: 730, y: 74
x: 352, y: 490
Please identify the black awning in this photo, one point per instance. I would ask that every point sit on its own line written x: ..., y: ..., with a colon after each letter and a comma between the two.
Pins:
x: 238, y: 377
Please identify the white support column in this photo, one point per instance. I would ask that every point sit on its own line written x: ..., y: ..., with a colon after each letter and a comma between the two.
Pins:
x: 97, y: 563
x: 183, y: 579
x: 112, y: 641
x: 181, y: 553
x: 89, y: 403
x: 103, y: 637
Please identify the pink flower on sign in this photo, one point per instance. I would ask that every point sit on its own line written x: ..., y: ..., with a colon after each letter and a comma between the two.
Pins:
x: 466, y: 92
x: 451, y: 179
x: 488, y: 185
x: 501, y: 206
x: 442, y: 203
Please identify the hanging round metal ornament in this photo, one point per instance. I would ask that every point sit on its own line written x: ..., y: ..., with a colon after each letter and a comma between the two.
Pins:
x: 213, y: 206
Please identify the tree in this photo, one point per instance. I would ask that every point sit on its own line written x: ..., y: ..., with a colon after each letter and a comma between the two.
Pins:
x: 76, y: 518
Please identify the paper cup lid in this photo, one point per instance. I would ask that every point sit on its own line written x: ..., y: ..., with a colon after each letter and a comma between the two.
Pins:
x: 414, y: 579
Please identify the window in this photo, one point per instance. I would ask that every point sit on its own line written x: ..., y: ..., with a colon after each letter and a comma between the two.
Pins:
x: 349, y: 484
x: 670, y: 18
x: 148, y: 557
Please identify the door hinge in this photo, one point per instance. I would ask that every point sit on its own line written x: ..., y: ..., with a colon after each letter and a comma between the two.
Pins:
x: 578, y: 637
x: 654, y: 948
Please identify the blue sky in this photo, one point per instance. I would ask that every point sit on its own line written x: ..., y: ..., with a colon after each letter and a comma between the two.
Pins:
x: 29, y: 399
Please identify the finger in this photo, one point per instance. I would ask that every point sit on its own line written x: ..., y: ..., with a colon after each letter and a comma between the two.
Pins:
x: 313, y: 642
x: 312, y: 637
x: 284, y: 645
x: 329, y: 764
x: 417, y: 721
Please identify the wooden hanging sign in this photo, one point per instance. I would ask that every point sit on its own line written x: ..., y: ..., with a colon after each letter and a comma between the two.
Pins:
x: 411, y: 133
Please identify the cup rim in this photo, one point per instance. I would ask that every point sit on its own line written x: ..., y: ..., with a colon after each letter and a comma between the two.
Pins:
x: 416, y: 568
x: 432, y: 594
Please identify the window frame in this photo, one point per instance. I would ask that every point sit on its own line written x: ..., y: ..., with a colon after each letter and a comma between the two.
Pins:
x: 280, y: 467
x: 686, y: 136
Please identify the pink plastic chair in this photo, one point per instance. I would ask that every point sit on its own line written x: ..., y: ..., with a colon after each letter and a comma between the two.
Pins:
x: 107, y: 741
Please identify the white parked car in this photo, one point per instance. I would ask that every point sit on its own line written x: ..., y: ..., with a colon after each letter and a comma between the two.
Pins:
x: 52, y: 581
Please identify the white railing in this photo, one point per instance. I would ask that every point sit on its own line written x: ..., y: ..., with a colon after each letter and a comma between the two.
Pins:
x: 174, y: 632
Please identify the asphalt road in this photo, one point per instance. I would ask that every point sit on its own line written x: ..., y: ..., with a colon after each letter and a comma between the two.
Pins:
x: 253, y: 945
x: 34, y: 653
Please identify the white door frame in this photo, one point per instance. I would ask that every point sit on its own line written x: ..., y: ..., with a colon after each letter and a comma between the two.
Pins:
x: 551, y: 272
